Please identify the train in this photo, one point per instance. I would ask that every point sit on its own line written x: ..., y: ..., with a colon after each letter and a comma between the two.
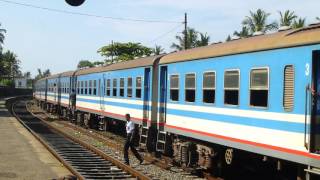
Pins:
x: 257, y: 96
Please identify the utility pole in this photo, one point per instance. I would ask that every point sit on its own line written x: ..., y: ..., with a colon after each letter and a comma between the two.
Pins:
x: 185, y: 31
x: 111, y: 51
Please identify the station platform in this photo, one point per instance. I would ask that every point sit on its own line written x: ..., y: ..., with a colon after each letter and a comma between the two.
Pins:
x: 22, y: 156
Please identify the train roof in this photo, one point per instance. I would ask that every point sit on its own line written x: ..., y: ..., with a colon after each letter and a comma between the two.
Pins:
x: 63, y: 74
x: 282, y: 39
x: 140, y: 62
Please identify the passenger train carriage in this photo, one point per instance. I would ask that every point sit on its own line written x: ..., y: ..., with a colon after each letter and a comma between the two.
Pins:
x: 257, y: 95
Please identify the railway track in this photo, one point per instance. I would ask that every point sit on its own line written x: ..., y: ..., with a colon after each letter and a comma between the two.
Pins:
x: 79, y: 158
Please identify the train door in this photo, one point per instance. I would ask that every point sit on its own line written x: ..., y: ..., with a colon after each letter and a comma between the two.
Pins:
x: 161, y: 139
x: 315, y: 109
x: 146, y: 107
x: 101, y: 90
x: 45, y: 91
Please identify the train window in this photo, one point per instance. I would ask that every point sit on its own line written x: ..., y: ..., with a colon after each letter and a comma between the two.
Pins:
x: 231, y: 87
x: 190, y: 87
x: 108, y: 87
x: 129, y: 90
x: 209, y: 87
x: 78, y: 88
x: 121, y: 87
x: 174, y: 87
x: 86, y: 87
x: 94, y: 87
x: 259, y: 87
x: 90, y: 87
x: 288, y: 88
x: 82, y: 85
x: 138, y: 87
x: 114, y: 87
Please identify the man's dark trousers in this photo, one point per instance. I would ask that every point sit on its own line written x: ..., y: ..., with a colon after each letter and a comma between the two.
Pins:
x: 129, y: 143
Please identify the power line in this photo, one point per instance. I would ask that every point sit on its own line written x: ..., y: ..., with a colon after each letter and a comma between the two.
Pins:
x: 164, y: 34
x: 86, y: 14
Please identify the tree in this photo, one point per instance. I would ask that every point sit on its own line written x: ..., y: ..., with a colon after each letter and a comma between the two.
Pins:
x: 192, y: 40
x: 287, y: 18
x: 158, y: 50
x: 40, y: 75
x: 84, y: 63
x: 2, y: 31
x: 244, y: 33
x: 98, y: 63
x: 10, y: 63
x: 257, y: 21
x: 317, y: 18
x: 228, y: 38
x: 203, y: 41
x: 301, y: 22
x: 117, y: 51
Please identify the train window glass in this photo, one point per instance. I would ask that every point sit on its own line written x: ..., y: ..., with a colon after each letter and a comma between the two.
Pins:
x: 114, y: 87
x: 121, y: 87
x: 82, y: 87
x: 209, y: 87
x: 138, y: 87
x: 94, y: 87
x: 288, y: 88
x: 259, y: 87
x: 129, y: 90
x: 86, y: 87
x: 190, y: 87
x: 90, y: 87
x: 78, y: 88
x: 108, y: 87
x: 174, y: 87
x: 231, y: 87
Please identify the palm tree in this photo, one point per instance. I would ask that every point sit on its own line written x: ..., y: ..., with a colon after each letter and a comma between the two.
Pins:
x: 192, y: 36
x: 287, y: 18
x: 257, y: 21
x: 11, y: 64
x: 317, y: 18
x: 158, y: 50
x: 204, y: 40
x: 244, y: 33
x: 2, y: 31
x: 299, y: 24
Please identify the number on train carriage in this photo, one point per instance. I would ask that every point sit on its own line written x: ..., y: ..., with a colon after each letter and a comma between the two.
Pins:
x: 315, y: 109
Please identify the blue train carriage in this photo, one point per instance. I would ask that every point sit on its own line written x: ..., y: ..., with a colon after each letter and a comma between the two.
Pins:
x: 107, y: 93
x: 257, y: 95
x: 40, y: 91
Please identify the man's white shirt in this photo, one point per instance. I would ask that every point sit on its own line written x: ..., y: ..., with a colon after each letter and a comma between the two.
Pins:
x: 130, y: 127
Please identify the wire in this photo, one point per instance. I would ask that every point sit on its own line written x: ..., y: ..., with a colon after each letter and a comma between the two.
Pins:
x: 86, y: 14
x: 164, y: 34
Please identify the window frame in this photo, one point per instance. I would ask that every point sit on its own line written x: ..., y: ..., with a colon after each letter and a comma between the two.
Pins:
x: 108, y: 87
x: 131, y: 87
x: 116, y: 88
x: 135, y: 95
x: 294, y: 83
x: 224, y: 94
x: 249, y: 95
x: 195, y: 88
x: 124, y: 85
x: 174, y: 74
x: 215, y: 87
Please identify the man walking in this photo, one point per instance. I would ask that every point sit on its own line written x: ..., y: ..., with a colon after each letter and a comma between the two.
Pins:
x: 129, y: 141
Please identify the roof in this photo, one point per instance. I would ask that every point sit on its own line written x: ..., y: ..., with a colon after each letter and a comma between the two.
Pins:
x: 140, y: 62
x: 289, y: 38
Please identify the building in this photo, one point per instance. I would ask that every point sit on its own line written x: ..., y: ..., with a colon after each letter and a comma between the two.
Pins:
x: 20, y: 82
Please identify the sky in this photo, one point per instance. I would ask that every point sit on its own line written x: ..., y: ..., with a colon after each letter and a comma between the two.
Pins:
x: 58, y: 41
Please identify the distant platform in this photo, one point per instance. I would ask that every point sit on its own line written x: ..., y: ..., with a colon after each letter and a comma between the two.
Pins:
x: 22, y: 156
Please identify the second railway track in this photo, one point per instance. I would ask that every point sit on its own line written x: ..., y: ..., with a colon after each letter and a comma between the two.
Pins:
x: 83, y: 162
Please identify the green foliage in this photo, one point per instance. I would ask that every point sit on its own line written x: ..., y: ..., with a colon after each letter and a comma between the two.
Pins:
x: 192, y: 40
x: 84, y: 63
x: 7, y: 82
x: 158, y: 50
x: 2, y: 31
x: 301, y: 22
x: 257, y: 21
x: 117, y: 51
x: 287, y: 18
x: 43, y: 74
x: 244, y: 33
x: 98, y: 63
x: 9, y: 65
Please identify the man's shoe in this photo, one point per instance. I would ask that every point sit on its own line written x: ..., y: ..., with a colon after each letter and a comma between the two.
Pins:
x: 141, y: 162
x: 127, y: 163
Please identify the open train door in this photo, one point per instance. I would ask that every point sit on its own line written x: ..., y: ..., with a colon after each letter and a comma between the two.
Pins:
x: 101, y: 90
x: 161, y: 139
x: 315, y: 104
